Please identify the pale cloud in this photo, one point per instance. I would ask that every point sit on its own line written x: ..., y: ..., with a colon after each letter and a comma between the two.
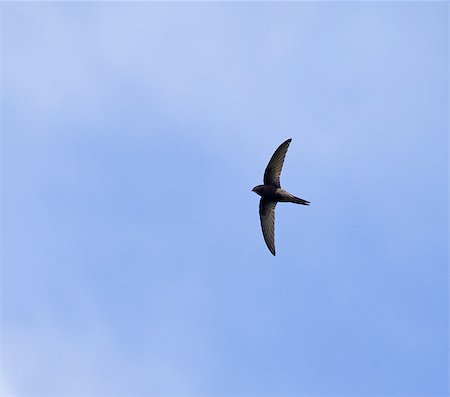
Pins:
x: 81, y: 353
x: 6, y: 388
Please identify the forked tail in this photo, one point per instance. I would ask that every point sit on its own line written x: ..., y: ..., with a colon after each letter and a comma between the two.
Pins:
x: 298, y: 200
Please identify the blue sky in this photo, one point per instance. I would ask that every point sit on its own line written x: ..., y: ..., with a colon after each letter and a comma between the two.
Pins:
x: 132, y: 258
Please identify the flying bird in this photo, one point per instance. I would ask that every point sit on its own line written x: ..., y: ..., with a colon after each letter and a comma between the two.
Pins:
x: 271, y: 193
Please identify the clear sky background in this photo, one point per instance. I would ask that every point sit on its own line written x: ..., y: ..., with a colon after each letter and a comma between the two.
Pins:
x: 132, y: 257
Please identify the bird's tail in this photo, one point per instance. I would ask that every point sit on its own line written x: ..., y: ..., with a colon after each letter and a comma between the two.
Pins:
x: 298, y: 200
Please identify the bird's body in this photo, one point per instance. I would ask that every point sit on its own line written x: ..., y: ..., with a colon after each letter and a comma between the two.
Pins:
x: 271, y: 193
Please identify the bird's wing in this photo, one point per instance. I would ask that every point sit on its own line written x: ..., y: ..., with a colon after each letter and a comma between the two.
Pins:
x: 267, y: 215
x: 273, y: 169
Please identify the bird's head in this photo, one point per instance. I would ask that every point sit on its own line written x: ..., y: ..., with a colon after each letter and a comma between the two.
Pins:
x: 258, y: 189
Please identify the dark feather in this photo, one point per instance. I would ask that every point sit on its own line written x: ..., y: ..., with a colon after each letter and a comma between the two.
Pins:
x: 273, y: 169
x: 267, y: 216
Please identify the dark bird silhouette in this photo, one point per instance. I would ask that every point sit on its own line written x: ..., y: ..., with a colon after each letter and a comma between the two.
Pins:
x: 271, y: 193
